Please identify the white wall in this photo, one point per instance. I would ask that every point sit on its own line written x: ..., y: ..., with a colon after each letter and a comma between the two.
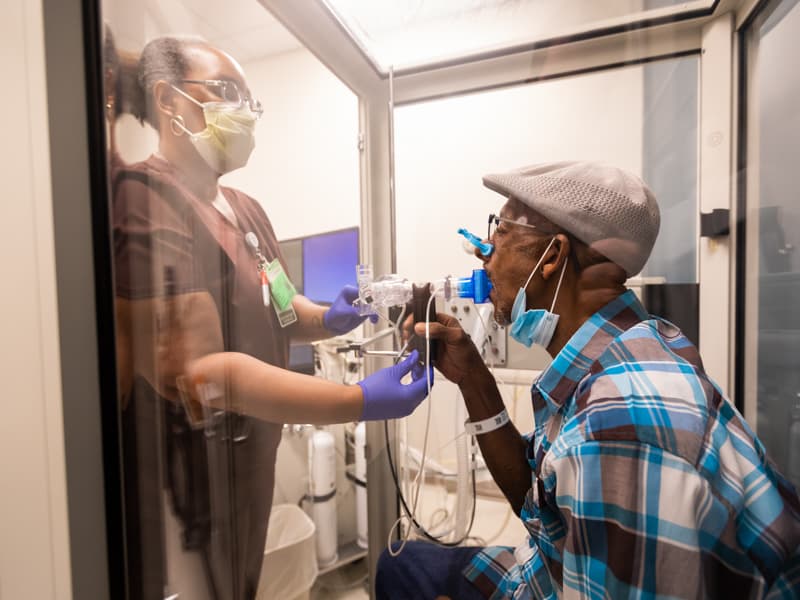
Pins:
x: 304, y: 170
x: 34, y: 547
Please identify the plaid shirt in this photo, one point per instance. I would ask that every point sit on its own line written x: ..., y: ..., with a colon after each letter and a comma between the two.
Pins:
x: 646, y: 481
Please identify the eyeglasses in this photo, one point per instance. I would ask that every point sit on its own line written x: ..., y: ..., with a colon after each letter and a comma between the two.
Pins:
x: 228, y: 92
x: 495, y: 220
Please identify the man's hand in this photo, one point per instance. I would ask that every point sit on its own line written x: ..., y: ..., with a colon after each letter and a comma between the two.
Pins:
x: 456, y: 356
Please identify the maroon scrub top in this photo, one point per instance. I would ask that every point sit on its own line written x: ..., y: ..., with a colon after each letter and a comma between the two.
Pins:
x: 220, y: 488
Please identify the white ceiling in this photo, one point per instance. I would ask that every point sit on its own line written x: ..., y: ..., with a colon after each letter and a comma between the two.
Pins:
x: 244, y: 28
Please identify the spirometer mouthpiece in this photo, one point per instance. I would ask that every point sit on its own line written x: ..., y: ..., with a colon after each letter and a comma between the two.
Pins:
x: 476, y: 287
x: 485, y: 247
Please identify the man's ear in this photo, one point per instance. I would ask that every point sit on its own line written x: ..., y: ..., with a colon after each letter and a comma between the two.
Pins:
x: 164, y: 98
x: 556, y: 256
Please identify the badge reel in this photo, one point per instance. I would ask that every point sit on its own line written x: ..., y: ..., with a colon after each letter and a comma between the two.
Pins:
x: 276, y: 288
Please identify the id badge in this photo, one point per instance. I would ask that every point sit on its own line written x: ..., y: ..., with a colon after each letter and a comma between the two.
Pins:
x: 282, y: 292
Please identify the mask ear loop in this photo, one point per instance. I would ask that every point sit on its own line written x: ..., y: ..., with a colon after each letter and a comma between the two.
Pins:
x: 177, y: 120
x: 560, y: 279
x: 538, y: 264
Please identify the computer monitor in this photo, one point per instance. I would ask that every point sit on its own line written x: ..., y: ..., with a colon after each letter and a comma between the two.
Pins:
x: 319, y: 266
x: 292, y: 251
x: 329, y: 263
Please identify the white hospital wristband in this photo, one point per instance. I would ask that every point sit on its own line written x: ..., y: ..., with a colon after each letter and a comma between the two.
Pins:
x: 487, y: 425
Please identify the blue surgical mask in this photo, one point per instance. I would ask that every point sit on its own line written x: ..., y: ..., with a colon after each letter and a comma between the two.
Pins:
x: 535, y: 326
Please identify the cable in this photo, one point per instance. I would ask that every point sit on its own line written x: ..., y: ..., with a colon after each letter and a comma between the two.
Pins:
x: 420, y: 478
x: 411, y: 517
x: 410, y: 514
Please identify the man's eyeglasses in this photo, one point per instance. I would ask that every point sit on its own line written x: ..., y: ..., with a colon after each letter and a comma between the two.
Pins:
x: 494, y: 221
x: 228, y: 92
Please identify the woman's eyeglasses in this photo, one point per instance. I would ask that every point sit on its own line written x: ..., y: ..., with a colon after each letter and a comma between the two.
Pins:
x: 228, y: 92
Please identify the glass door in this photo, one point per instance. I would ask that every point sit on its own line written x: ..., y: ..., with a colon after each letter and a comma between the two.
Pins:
x: 642, y: 117
x: 232, y: 156
x: 770, y: 356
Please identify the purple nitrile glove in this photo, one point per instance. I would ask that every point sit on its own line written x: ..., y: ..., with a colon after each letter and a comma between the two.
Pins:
x: 386, y: 398
x: 342, y: 317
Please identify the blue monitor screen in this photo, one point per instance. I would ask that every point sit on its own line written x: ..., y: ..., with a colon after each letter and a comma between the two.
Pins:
x: 329, y: 263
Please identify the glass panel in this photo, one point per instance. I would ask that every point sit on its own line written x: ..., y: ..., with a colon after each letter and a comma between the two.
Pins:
x: 198, y: 215
x: 641, y: 118
x: 773, y: 236
x: 411, y: 33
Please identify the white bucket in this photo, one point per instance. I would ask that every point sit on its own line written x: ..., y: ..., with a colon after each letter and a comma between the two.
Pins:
x: 290, y: 559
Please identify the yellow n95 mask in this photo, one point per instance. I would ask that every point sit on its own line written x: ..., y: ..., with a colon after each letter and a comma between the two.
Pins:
x: 228, y: 138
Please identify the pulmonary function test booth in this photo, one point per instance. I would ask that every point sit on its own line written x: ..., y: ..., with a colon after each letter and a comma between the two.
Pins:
x: 379, y: 120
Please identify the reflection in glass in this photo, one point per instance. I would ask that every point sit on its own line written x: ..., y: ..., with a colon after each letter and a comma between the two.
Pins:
x: 411, y: 33
x: 773, y: 260
x: 183, y: 278
x: 642, y: 118
x: 199, y: 459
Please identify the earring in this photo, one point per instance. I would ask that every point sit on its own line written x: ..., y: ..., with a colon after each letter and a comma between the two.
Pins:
x: 109, y: 102
x: 177, y: 122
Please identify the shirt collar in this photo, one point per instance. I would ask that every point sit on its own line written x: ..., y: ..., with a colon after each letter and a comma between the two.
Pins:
x: 557, y: 383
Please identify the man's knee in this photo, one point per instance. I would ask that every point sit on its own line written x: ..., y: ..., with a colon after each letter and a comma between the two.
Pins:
x: 423, y: 570
x: 395, y: 563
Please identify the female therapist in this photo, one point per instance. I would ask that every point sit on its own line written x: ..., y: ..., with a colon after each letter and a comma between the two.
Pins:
x: 190, y: 263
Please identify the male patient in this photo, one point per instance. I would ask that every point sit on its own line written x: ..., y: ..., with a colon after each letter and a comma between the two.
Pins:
x: 641, y: 479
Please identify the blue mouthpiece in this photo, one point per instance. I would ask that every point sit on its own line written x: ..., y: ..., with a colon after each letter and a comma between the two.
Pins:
x: 485, y: 248
x: 476, y: 286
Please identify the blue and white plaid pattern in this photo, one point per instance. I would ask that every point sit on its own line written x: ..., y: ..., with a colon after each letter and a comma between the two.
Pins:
x: 646, y: 481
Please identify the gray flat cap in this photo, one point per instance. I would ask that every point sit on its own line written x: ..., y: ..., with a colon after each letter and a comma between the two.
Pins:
x: 611, y: 210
